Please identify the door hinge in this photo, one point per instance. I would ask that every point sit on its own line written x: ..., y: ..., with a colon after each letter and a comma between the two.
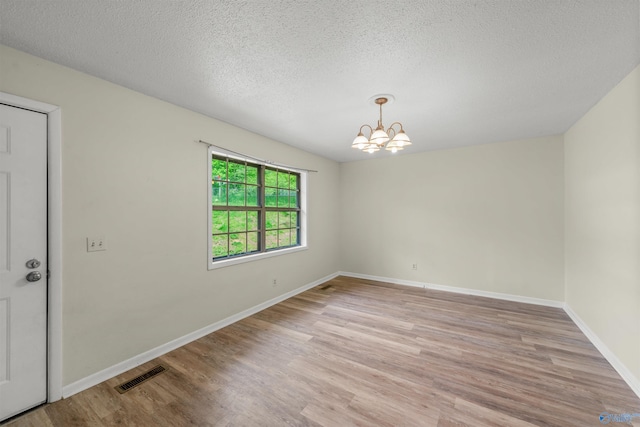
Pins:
x: 48, y: 274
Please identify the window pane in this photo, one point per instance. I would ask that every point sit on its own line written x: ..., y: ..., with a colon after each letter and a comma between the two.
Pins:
x: 283, y: 198
x: 252, y: 221
x: 252, y: 195
x: 270, y: 197
x: 270, y: 178
x: 252, y: 242
x: 219, y: 170
x: 272, y: 239
x: 236, y: 194
x: 252, y: 174
x: 294, y: 236
x: 293, y: 199
x: 236, y: 172
x: 219, y: 193
x: 219, y: 246
x: 293, y: 181
x: 271, y: 220
x: 237, y: 243
x: 294, y: 219
x: 219, y: 222
x: 283, y: 180
x: 284, y: 219
x: 284, y: 237
x: 237, y: 221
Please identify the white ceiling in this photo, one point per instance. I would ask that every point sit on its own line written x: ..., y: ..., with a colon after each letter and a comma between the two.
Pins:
x: 301, y: 72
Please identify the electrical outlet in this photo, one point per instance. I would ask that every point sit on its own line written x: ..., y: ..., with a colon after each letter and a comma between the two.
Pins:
x: 414, y: 266
x: 96, y: 244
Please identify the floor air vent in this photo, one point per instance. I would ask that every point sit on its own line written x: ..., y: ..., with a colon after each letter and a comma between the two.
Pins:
x: 124, y: 387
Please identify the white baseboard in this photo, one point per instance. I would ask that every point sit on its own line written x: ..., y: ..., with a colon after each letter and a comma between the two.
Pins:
x: 138, y: 360
x: 126, y: 365
x: 626, y: 375
x: 465, y: 291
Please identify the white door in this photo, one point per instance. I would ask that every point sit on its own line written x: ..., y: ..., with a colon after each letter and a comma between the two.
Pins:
x: 23, y: 239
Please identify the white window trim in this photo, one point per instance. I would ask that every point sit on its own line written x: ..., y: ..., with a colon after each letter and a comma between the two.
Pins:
x: 212, y: 265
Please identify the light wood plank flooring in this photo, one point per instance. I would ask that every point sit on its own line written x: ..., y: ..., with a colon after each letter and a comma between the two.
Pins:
x: 358, y: 352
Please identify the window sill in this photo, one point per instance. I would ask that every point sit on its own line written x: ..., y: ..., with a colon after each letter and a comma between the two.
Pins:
x: 241, y: 260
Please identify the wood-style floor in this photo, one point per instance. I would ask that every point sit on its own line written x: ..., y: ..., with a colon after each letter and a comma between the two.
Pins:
x: 357, y: 352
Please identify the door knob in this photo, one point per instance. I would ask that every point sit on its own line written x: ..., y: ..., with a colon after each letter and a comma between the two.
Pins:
x: 33, y: 263
x: 34, y: 276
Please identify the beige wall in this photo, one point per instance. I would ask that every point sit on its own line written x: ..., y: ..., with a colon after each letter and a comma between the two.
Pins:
x: 487, y: 217
x: 602, y: 164
x: 491, y: 218
x: 133, y: 173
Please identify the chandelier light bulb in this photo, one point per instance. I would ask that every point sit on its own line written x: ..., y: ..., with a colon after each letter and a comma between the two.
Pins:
x: 379, y: 137
x: 360, y: 142
x: 371, y: 148
x: 401, y: 139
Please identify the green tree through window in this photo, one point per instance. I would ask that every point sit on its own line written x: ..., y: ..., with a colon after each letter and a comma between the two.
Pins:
x: 254, y: 208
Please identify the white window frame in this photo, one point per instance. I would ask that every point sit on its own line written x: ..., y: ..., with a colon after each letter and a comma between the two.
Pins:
x: 241, y: 259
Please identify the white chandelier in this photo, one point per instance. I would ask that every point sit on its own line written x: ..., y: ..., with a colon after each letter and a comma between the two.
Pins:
x: 389, y: 139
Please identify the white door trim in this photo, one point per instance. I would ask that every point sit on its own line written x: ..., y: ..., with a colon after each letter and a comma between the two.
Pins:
x: 54, y: 190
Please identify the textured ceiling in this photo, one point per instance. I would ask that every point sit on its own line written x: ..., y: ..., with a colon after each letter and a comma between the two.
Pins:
x: 301, y: 72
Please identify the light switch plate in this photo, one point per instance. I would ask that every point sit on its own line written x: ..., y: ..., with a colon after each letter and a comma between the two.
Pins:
x: 96, y: 244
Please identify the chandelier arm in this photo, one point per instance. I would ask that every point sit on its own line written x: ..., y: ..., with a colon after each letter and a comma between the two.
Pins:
x: 370, y: 130
x: 396, y: 123
x: 391, y: 130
